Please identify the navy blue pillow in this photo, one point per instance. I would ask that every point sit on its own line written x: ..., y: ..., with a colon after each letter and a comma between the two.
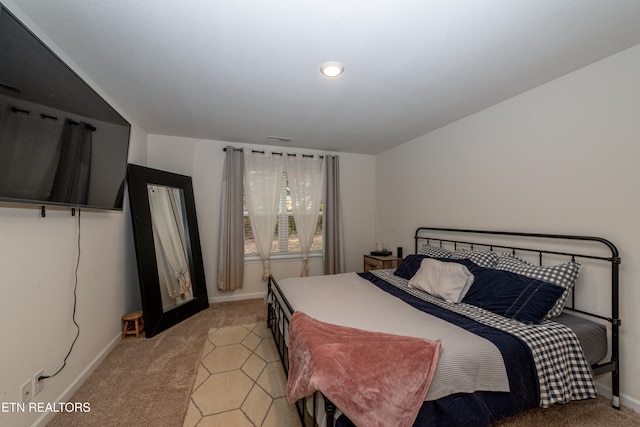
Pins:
x: 410, y: 266
x: 512, y: 295
x: 502, y: 292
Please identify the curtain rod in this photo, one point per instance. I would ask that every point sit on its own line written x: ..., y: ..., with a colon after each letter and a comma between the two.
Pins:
x: 87, y: 125
x: 44, y: 116
x: 275, y: 153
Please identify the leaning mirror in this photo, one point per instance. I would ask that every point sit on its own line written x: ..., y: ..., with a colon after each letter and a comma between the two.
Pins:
x: 168, y: 254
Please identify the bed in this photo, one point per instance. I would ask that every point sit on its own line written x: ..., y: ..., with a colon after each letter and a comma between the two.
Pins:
x: 514, y: 338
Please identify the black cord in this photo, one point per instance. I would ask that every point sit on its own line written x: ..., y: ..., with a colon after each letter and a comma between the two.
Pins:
x: 73, y: 317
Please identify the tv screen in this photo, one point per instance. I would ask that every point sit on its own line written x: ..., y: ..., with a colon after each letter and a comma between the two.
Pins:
x: 61, y: 144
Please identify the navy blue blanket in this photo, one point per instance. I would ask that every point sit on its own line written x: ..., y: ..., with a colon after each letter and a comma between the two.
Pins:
x: 481, y: 408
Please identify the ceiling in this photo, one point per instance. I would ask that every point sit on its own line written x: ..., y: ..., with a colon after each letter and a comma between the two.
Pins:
x: 242, y: 70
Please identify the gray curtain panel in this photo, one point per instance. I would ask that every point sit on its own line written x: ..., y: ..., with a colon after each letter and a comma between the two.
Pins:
x: 27, y: 169
x: 71, y: 183
x: 332, y: 217
x: 231, y: 243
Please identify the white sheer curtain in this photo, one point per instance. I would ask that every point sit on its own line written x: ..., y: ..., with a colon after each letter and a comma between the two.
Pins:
x: 306, y: 179
x: 262, y: 178
x: 168, y: 225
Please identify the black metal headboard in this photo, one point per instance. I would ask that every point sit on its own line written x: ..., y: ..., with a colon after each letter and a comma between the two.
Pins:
x: 504, y: 241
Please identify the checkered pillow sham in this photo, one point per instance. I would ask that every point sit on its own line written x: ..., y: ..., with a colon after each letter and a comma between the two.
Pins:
x: 435, y: 252
x: 564, y: 275
x: 482, y: 258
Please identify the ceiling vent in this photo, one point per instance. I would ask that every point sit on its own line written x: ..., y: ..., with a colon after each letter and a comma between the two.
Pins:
x: 276, y: 139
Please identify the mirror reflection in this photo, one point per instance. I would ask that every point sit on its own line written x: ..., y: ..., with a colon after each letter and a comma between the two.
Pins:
x: 170, y: 236
x: 168, y: 253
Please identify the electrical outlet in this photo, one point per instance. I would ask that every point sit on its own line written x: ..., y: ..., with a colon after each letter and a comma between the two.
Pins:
x: 37, y: 386
x: 25, y: 392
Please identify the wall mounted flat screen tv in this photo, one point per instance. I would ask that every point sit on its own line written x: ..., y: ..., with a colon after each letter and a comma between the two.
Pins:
x: 61, y: 144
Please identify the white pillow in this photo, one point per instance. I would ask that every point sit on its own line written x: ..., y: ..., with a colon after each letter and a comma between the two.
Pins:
x: 447, y: 280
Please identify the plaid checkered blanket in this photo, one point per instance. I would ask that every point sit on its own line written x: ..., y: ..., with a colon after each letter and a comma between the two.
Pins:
x: 562, y: 370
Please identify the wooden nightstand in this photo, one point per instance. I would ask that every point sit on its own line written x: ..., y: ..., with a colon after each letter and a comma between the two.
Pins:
x: 372, y: 262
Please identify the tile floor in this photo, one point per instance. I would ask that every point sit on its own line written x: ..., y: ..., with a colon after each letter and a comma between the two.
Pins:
x: 240, y: 381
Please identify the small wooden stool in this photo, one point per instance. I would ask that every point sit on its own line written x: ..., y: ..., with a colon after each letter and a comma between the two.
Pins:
x: 133, y: 324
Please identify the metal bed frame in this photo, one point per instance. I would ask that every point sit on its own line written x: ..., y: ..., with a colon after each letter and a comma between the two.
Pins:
x: 280, y: 309
x: 278, y: 320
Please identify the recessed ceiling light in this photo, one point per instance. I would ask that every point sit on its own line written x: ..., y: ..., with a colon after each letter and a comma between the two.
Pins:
x: 331, y: 69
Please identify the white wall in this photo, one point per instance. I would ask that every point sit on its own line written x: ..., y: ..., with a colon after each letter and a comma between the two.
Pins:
x: 37, y: 261
x: 203, y: 160
x: 563, y: 157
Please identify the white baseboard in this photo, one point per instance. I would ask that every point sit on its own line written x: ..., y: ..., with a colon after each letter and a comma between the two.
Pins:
x: 75, y: 384
x: 629, y: 402
x: 213, y: 300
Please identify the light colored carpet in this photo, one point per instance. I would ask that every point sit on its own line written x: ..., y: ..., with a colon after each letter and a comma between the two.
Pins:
x: 584, y: 413
x: 147, y: 382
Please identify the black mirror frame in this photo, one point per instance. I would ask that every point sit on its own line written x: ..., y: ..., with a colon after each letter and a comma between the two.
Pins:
x: 155, y: 320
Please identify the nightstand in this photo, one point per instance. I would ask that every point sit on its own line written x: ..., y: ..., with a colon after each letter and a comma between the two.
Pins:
x: 373, y: 262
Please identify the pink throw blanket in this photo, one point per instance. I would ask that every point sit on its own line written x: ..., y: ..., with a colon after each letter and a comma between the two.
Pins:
x: 375, y: 379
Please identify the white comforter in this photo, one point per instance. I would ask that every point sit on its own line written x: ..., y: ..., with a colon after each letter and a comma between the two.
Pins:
x: 468, y: 363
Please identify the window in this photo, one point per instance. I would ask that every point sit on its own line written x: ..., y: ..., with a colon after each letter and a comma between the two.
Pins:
x: 285, y: 238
